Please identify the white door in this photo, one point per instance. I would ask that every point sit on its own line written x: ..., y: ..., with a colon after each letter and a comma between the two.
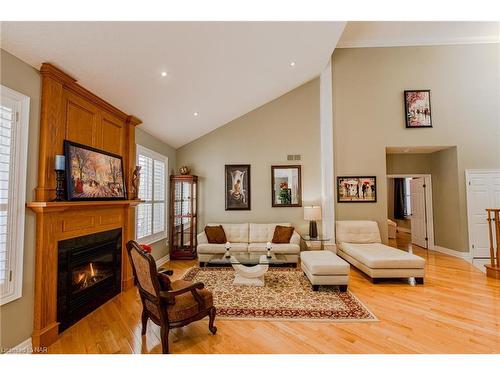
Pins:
x: 418, y: 213
x: 483, y: 191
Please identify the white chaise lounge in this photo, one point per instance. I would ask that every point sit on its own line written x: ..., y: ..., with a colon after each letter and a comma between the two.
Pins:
x: 359, y: 243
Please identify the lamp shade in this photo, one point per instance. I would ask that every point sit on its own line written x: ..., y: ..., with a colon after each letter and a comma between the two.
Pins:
x: 312, y: 213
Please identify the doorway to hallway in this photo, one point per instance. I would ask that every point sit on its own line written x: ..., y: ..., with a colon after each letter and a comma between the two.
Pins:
x: 410, y: 207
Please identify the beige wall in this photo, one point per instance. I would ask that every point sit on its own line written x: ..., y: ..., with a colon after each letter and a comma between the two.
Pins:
x: 16, y: 317
x: 160, y: 248
x: 408, y: 164
x: 449, y: 231
x: 261, y: 138
x: 368, y: 85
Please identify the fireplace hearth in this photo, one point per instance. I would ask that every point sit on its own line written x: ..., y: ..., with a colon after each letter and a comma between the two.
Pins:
x: 89, y: 274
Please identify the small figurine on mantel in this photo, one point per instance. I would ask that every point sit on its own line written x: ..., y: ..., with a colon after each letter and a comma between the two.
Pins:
x: 184, y: 170
x: 136, y: 181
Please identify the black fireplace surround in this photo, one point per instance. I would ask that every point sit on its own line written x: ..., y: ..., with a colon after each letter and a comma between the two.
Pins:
x: 89, y: 274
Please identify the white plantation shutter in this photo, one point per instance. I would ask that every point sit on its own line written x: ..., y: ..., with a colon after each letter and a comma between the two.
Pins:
x: 14, y: 117
x: 151, y: 215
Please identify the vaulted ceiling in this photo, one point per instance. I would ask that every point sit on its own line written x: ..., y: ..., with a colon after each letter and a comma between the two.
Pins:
x: 185, y: 79
x: 215, y: 71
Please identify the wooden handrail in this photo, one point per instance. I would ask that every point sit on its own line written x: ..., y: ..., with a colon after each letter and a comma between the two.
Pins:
x: 493, y: 269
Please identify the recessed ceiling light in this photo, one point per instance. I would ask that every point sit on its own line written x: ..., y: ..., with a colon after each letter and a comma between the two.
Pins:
x: 195, y: 114
x: 292, y: 64
x: 163, y: 74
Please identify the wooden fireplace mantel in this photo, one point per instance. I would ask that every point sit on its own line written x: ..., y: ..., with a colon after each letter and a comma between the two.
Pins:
x: 41, y: 207
x: 71, y: 112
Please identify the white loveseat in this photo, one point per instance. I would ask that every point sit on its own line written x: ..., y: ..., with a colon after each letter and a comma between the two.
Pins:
x: 359, y: 243
x: 248, y: 237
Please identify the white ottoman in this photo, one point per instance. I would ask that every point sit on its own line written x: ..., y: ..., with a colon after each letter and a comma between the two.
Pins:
x: 325, y: 268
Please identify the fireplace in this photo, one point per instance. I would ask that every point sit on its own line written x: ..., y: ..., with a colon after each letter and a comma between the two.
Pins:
x: 89, y: 274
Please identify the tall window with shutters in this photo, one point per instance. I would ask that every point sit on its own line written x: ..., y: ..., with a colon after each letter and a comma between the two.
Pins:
x: 14, y: 121
x: 151, y: 215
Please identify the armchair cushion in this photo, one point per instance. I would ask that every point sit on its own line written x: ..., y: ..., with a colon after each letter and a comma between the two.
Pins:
x: 215, y: 234
x: 282, y: 234
x: 185, y: 305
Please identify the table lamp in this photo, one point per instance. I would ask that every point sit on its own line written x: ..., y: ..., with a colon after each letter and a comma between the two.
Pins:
x: 312, y: 213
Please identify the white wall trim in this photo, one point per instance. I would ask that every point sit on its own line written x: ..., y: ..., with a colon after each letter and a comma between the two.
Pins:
x: 16, y: 218
x: 459, y: 254
x: 22, y: 348
x: 406, y: 42
x: 327, y: 155
x: 482, y: 171
x: 162, y: 260
x: 407, y: 175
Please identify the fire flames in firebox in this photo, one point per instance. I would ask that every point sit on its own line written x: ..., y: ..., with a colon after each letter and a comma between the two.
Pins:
x: 88, y: 275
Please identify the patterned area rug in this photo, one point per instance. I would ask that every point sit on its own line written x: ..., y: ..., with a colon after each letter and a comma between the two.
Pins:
x: 287, y: 295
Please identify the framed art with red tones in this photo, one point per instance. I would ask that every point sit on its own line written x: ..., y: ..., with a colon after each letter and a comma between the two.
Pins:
x: 418, y: 108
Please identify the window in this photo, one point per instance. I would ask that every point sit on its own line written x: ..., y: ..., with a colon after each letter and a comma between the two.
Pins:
x: 14, y: 120
x: 151, y: 215
x: 407, y: 197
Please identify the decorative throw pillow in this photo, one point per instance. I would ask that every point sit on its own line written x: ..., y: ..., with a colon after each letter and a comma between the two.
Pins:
x: 215, y: 234
x: 282, y: 234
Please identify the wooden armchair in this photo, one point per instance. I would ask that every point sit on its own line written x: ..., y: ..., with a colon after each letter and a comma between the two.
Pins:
x: 168, y: 304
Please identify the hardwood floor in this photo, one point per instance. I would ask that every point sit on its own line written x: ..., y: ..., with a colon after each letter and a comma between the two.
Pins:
x: 457, y: 310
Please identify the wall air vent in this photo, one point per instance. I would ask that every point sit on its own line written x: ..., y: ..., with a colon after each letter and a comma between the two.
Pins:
x: 293, y: 157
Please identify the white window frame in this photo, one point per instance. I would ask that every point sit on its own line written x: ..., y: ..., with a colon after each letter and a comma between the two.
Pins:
x: 155, y: 237
x: 17, y: 192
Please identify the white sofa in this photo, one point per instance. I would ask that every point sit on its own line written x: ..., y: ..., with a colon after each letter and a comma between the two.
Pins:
x: 359, y: 243
x: 248, y: 237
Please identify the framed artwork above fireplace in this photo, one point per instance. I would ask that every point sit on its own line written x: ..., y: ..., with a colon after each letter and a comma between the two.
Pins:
x: 93, y: 174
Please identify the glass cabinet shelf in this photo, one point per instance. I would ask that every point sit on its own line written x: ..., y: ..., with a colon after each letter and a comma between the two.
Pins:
x: 183, y: 216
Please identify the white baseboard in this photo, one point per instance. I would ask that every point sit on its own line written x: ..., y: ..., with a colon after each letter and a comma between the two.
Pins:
x: 22, y: 348
x: 459, y: 254
x: 480, y: 262
x: 404, y: 230
x: 162, y: 260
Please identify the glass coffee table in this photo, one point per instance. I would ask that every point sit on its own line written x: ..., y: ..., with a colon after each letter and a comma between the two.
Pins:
x: 250, y: 268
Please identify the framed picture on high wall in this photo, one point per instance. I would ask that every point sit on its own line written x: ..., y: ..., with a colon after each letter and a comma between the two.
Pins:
x: 418, y: 108
x: 356, y: 189
x: 93, y: 174
x: 237, y: 187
